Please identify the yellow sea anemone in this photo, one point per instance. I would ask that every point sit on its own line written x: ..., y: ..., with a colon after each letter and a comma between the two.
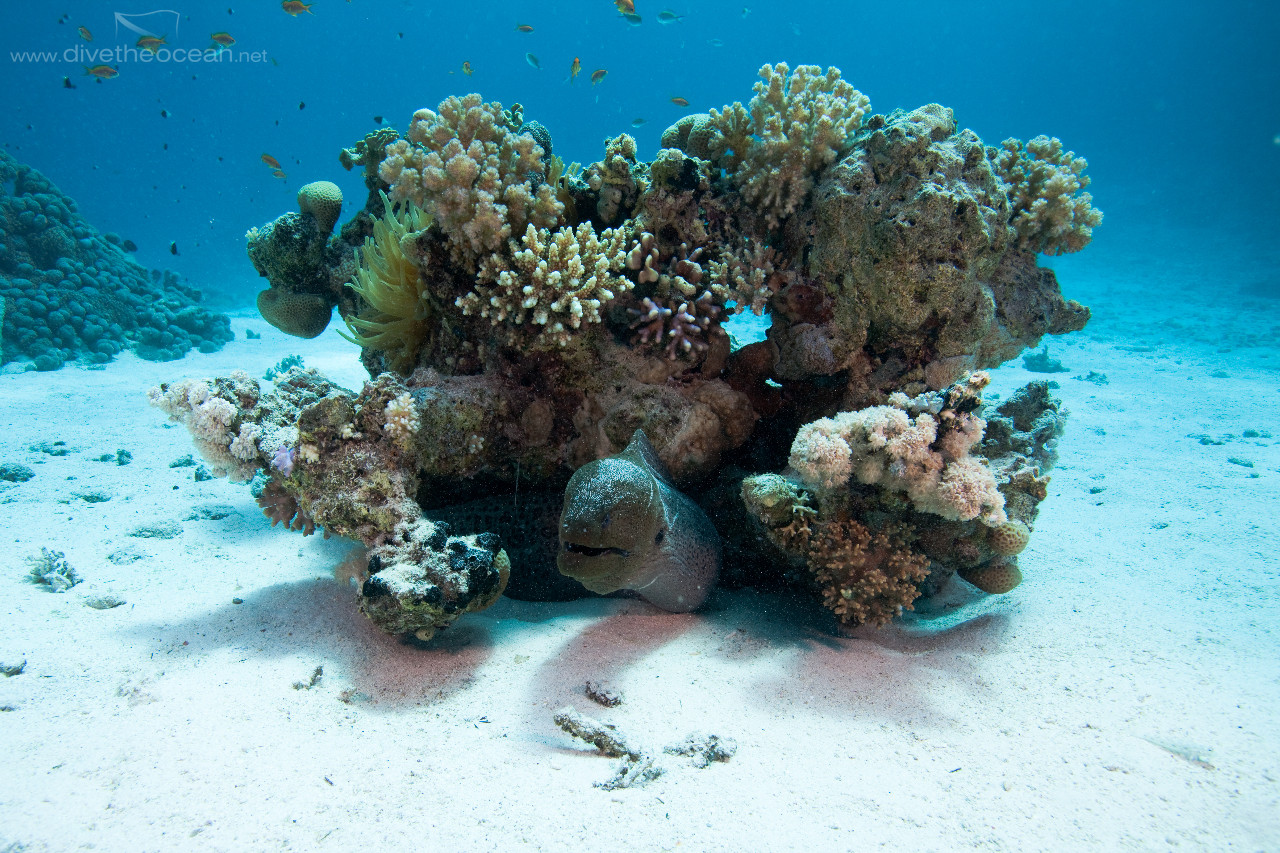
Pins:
x: 399, y: 316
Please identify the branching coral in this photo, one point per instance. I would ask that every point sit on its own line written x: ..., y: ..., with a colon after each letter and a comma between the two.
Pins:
x: 618, y: 180
x: 744, y: 277
x: 685, y: 327
x: 557, y: 281
x: 862, y: 576
x: 481, y: 180
x: 219, y: 426
x: 925, y: 456
x: 1050, y: 213
x: 400, y: 316
x: 799, y: 123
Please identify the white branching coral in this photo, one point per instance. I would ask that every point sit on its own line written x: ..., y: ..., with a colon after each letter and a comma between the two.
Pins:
x: 556, y: 281
x: 795, y: 126
x: 927, y: 457
x: 467, y: 168
x: 402, y: 420
x: 228, y: 442
x: 1050, y: 211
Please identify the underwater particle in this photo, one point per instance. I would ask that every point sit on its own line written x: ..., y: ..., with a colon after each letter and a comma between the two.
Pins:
x: 51, y: 569
x: 1009, y: 538
x: 297, y: 7
x: 995, y: 578
x: 533, y: 61
x: 680, y: 102
x: 625, y: 526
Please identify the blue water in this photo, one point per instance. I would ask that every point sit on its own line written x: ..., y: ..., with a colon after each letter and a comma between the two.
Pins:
x: 1173, y: 103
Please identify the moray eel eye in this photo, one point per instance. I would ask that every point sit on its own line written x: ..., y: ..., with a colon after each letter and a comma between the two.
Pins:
x: 662, y: 534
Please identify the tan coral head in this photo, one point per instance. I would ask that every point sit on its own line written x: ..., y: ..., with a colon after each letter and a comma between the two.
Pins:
x: 323, y: 200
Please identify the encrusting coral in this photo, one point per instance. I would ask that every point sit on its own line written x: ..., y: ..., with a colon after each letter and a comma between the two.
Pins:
x: 521, y: 320
x: 1050, y: 211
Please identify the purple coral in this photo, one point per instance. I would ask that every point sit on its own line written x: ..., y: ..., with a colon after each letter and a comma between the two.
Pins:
x: 687, y: 326
x: 282, y: 459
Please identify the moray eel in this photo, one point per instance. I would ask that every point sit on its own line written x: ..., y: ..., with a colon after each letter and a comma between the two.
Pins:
x: 624, y: 526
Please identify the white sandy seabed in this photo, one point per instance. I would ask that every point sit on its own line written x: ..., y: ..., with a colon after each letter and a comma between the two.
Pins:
x: 1125, y: 697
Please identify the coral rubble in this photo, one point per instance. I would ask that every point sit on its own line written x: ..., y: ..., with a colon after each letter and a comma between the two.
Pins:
x: 68, y: 292
x: 522, y: 319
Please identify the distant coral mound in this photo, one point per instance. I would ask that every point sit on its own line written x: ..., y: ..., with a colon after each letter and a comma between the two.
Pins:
x: 69, y: 292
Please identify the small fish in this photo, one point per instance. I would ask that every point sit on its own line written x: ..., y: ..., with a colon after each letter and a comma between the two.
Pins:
x: 533, y: 61
x: 151, y: 44
x: 625, y: 6
x: 223, y: 39
x: 377, y: 119
x: 715, y: 42
x: 680, y: 102
x: 523, y: 28
x: 598, y: 75
x: 639, y: 122
x: 466, y: 68
x: 302, y: 105
x: 666, y: 16
x: 745, y: 11
x: 102, y: 72
x: 297, y: 7
x: 279, y: 173
x: 270, y: 161
x: 574, y: 69
x: 632, y: 18
x: 173, y: 247
x: 164, y: 114
x: 85, y: 34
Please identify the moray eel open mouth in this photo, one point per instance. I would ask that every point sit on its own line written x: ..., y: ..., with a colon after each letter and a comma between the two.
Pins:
x: 588, y: 551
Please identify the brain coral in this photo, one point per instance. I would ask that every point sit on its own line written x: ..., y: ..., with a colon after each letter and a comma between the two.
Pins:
x: 323, y: 200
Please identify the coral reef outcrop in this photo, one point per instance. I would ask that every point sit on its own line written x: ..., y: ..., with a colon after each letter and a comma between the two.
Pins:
x: 522, y: 320
x: 71, y: 293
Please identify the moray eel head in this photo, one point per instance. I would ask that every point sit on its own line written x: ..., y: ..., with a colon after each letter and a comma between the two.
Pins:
x: 612, y: 519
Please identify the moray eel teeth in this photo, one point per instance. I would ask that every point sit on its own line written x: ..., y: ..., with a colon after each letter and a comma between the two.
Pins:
x: 625, y: 526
